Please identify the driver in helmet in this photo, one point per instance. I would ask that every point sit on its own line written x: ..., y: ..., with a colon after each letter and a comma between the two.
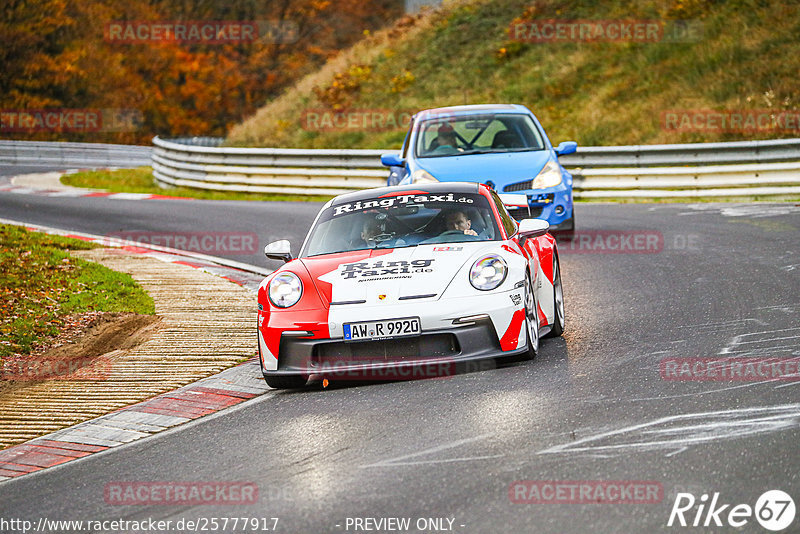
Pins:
x: 369, y: 230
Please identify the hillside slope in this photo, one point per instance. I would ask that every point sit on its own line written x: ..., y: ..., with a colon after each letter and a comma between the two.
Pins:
x: 735, y: 55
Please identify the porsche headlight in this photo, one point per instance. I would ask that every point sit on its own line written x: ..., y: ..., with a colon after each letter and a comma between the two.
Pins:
x: 488, y: 272
x: 285, y: 290
x: 422, y: 176
x: 549, y: 176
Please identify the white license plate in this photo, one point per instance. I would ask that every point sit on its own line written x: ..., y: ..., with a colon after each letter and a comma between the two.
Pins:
x: 386, y: 329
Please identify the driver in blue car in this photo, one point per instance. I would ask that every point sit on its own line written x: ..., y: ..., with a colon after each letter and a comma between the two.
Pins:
x: 457, y: 220
x: 445, y: 142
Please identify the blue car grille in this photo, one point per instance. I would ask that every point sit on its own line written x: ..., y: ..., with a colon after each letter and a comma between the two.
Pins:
x: 519, y: 186
x: 524, y: 213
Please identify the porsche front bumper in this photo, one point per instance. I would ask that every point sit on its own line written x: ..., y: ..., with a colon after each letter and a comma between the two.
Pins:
x: 452, y: 333
x: 444, y: 352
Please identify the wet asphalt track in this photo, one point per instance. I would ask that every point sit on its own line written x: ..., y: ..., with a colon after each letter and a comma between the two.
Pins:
x: 723, y: 280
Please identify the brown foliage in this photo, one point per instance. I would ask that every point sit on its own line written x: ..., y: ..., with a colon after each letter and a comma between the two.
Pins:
x: 55, y: 55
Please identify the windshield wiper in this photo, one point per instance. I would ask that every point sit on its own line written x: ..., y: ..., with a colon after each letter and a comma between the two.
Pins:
x: 497, y: 150
x: 476, y: 151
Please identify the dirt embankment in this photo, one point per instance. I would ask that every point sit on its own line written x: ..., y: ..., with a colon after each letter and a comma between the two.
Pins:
x: 86, y: 341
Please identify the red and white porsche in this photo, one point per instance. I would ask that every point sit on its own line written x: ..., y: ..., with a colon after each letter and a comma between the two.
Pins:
x: 408, y: 276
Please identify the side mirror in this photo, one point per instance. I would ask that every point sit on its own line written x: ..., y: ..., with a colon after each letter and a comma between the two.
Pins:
x: 567, y: 147
x: 533, y: 227
x: 392, y: 160
x: 279, y: 250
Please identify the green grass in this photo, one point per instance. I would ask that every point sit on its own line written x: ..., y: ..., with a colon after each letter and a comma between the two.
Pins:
x: 41, y: 284
x: 140, y: 180
x: 596, y: 93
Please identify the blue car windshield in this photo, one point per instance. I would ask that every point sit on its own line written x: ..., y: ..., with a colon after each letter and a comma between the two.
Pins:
x: 477, y: 134
x: 403, y: 220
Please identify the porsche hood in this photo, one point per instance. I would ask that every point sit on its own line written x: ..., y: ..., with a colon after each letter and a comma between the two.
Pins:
x: 391, y: 275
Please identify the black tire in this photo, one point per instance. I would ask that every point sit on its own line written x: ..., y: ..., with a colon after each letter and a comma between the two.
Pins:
x: 531, y: 319
x: 566, y: 230
x: 558, y: 300
x: 285, y: 381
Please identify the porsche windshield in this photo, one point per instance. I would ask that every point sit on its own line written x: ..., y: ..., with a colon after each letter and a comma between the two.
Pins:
x: 403, y: 220
x: 477, y: 134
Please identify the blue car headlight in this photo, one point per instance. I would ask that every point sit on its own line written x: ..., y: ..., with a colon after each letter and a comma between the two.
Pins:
x: 422, y: 176
x: 549, y: 176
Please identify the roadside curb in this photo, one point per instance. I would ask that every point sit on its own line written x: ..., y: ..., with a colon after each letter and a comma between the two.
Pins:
x: 49, y: 181
x: 156, y: 414
x: 132, y: 423
x: 49, y: 189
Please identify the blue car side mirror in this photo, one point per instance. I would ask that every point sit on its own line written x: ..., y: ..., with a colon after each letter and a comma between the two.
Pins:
x: 567, y: 147
x: 392, y: 160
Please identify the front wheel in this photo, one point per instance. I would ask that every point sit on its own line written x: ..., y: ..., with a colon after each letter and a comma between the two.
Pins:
x: 558, y: 300
x: 566, y: 229
x: 531, y: 318
x: 569, y: 224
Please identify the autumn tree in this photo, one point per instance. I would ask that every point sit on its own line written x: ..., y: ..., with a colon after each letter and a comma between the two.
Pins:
x: 55, y: 54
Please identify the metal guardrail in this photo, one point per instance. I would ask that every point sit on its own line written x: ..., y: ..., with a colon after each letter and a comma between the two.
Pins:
x: 79, y: 155
x: 700, y: 169
x: 714, y: 169
x: 266, y: 170
x: 685, y: 154
x: 676, y: 182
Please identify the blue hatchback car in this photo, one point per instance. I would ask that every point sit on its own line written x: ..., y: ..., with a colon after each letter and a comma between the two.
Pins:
x: 501, y: 145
